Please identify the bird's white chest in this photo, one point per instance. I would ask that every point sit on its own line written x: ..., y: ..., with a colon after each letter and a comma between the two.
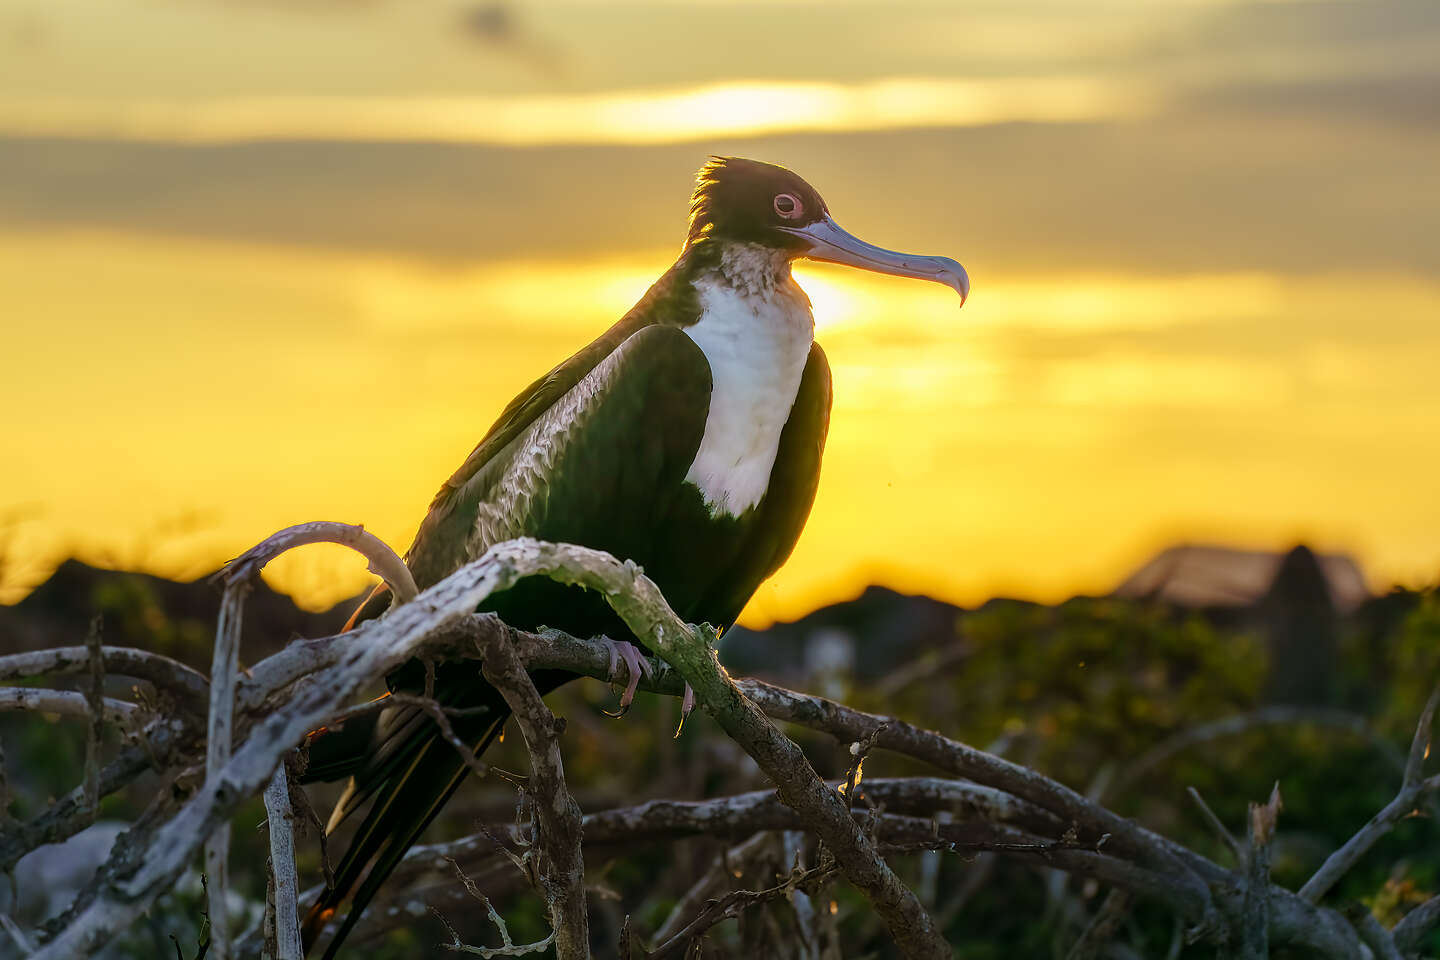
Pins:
x: 756, y: 337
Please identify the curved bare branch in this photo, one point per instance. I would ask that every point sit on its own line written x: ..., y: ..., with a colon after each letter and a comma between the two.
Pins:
x: 189, y: 686
x: 384, y: 562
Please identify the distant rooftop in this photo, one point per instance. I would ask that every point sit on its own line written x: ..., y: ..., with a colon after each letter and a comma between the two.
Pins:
x: 1192, y: 575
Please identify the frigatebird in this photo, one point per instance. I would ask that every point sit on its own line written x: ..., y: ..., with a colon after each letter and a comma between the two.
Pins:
x: 686, y: 438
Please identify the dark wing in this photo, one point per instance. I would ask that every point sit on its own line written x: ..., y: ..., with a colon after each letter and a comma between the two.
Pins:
x: 588, y: 469
x: 793, y: 482
x: 439, y: 548
x: 443, y: 542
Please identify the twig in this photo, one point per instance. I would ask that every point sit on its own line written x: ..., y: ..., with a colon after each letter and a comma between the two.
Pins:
x: 300, y: 803
x: 279, y: 821
x: 708, y: 885
x: 1412, y: 789
x: 731, y: 905
x: 859, y: 750
x: 626, y: 939
x: 741, y: 815
x: 816, y: 928
x: 69, y: 703
x: 508, y: 947
x: 1217, y: 825
x: 557, y: 814
x: 95, y: 731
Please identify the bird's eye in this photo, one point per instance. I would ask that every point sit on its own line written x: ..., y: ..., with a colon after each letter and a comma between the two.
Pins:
x: 789, y: 206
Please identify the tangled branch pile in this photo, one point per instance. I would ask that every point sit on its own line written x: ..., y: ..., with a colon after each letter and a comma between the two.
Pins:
x: 224, y: 740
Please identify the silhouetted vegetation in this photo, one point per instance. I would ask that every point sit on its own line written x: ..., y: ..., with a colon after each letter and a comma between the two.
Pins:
x: 1088, y: 692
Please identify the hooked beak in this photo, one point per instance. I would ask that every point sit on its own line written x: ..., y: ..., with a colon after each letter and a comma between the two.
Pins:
x: 832, y: 244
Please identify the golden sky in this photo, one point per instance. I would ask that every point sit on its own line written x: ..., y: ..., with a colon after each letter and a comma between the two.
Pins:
x: 263, y: 263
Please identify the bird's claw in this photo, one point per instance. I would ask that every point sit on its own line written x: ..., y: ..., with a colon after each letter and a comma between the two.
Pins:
x: 636, y: 665
x: 687, y: 704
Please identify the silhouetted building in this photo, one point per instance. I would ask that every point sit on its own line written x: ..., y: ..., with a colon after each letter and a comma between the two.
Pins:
x: 1301, y: 633
x: 1204, y: 577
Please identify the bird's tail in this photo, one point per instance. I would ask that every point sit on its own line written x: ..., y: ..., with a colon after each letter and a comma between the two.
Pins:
x: 410, y: 770
x: 397, y: 756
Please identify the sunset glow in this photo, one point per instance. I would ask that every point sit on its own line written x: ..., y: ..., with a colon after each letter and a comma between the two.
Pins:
x: 391, y: 370
x: 261, y: 265
x: 660, y: 116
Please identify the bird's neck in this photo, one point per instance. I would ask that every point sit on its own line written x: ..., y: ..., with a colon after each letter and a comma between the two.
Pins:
x: 750, y: 269
x: 755, y: 328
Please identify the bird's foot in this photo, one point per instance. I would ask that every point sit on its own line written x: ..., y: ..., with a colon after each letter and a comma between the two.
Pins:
x: 635, y: 666
x: 687, y: 704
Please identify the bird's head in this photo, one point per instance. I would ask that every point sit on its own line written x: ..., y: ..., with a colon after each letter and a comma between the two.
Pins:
x: 746, y: 201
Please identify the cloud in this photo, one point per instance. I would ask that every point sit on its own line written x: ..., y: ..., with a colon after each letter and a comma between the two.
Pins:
x: 1214, y: 189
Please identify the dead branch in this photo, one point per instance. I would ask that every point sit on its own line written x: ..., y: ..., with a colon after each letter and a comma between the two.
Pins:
x: 740, y: 816
x: 846, y: 723
x: 1254, y: 924
x: 95, y: 730
x: 223, y: 669
x: 737, y: 817
x: 384, y: 562
x: 734, y: 902
x: 1413, y: 789
x: 372, y: 651
x: 68, y: 703
x: 285, y: 878
x: 238, y: 578
x: 1218, y: 826
x: 189, y: 687
x: 556, y: 813
x: 274, y: 711
x: 711, y: 882
x: 508, y: 947
x: 1377, y: 938
x: 638, y: 602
